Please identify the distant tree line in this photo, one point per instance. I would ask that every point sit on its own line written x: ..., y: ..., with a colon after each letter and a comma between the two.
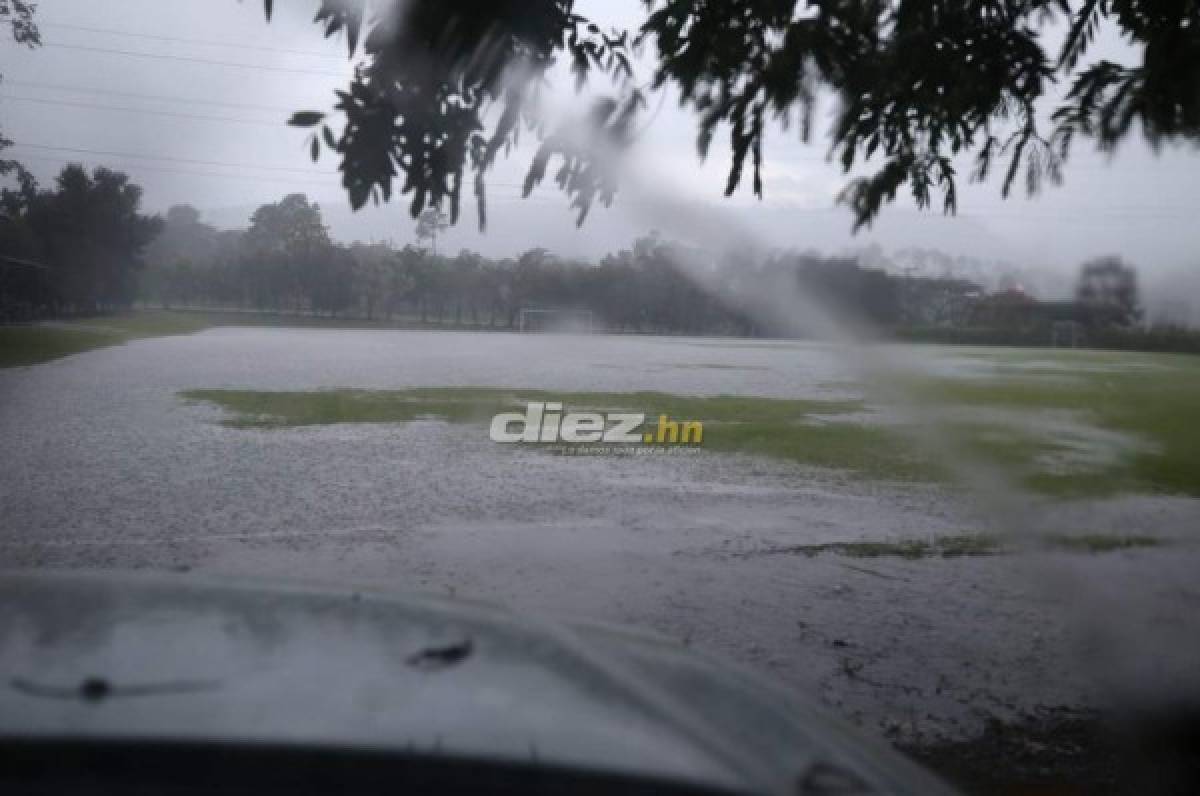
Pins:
x: 286, y: 262
x: 84, y: 247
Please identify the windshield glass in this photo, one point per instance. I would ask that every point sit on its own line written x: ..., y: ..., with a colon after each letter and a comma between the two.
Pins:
x: 852, y: 343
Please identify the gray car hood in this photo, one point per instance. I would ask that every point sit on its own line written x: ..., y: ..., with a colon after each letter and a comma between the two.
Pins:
x: 180, y: 657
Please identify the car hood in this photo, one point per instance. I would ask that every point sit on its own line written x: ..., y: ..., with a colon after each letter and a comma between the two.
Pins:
x: 194, y: 659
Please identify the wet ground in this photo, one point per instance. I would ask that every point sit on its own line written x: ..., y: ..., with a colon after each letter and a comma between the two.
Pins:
x: 105, y: 466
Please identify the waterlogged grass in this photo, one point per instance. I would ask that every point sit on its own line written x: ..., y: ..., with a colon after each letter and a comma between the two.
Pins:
x: 805, y: 431
x: 1133, y: 417
x: 1060, y: 423
x: 34, y: 344
x: 939, y: 547
x: 261, y: 409
x: 1100, y: 543
x: 955, y: 546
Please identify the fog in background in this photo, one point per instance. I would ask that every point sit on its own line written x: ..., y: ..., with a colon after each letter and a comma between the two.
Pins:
x: 214, y: 135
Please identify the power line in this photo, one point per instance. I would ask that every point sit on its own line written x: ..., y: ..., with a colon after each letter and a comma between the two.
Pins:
x: 267, y: 180
x: 189, y: 59
x: 175, y: 114
x: 1098, y: 215
x: 138, y: 95
x: 205, y: 42
x: 195, y: 162
x: 197, y: 173
x: 101, y: 153
x: 165, y: 159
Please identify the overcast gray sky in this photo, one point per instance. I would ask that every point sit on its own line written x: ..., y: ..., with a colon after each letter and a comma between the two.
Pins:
x: 146, y: 78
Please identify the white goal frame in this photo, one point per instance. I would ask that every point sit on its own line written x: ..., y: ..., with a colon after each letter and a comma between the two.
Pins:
x: 583, y: 321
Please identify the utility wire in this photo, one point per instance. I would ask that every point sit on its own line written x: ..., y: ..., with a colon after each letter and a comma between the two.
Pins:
x: 1084, y: 216
x: 260, y: 178
x: 175, y: 114
x: 191, y: 161
x: 181, y: 40
x: 1097, y: 215
x: 165, y: 159
x: 137, y: 95
x: 215, y: 174
x: 192, y: 60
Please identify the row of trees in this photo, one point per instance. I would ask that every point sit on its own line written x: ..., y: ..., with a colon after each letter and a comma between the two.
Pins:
x: 84, y: 247
x: 286, y: 262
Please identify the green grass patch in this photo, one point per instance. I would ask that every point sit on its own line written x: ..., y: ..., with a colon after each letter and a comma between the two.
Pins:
x: 710, y: 366
x: 37, y: 343
x: 1101, y: 543
x: 1078, y: 424
x: 1063, y: 424
x: 938, y: 547
x: 800, y: 430
x: 1149, y: 399
x: 960, y: 545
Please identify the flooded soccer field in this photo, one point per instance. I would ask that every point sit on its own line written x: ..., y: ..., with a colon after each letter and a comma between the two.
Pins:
x: 811, y: 535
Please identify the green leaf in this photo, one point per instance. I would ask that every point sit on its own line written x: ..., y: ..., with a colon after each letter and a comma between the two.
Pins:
x: 306, y: 118
x: 353, y: 28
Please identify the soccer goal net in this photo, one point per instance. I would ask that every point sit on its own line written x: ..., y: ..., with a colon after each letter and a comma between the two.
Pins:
x: 573, y: 321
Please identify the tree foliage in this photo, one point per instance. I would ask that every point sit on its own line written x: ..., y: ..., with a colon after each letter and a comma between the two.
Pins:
x: 431, y: 223
x: 430, y: 73
x: 84, y: 239
x: 285, y: 262
x: 292, y: 227
x: 918, y: 84
x: 1108, y: 291
x: 643, y: 288
x: 289, y: 259
x: 18, y: 17
x: 921, y: 81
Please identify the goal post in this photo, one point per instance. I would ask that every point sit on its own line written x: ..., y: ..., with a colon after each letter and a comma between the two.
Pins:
x: 542, y: 320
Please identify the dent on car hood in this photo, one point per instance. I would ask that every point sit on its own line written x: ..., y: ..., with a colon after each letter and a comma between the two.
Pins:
x: 191, y: 659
